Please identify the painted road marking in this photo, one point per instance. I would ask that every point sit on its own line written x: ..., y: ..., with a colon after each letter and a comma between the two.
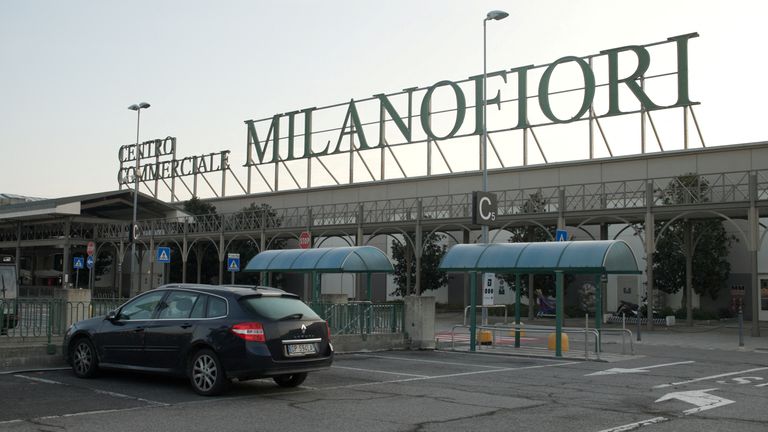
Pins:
x: 709, y: 378
x: 379, y: 371
x: 428, y: 361
x: 40, y: 380
x: 703, y: 400
x: 614, y: 371
x: 742, y: 380
x: 636, y: 425
x: 125, y: 396
x: 405, y: 380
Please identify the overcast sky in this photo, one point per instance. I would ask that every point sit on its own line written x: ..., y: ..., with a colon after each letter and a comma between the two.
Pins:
x: 70, y: 69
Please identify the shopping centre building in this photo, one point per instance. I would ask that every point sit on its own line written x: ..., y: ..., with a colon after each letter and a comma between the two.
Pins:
x: 390, y: 172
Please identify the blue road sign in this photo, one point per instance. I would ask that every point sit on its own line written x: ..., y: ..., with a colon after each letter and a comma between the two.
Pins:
x: 78, y: 263
x: 163, y: 254
x: 561, y: 235
x: 89, y: 262
x: 233, y: 263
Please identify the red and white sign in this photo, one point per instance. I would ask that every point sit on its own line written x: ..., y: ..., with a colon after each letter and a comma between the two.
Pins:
x: 305, y: 240
x: 91, y: 248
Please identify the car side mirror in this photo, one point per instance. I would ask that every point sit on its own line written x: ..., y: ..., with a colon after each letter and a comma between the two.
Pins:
x: 112, y: 315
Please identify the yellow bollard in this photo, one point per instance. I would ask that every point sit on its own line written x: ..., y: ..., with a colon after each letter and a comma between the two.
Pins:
x: 484, y: 337
x: 551, y: 341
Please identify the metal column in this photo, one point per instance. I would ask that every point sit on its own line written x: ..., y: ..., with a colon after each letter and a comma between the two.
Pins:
x: 650, y: 248
x: 472, y: 310
x: 559, y: 313
x: 754, y: 248
x: 518, y: 289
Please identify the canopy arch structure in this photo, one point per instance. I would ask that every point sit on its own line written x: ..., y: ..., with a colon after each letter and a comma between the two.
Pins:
x: 348, y: 259
x: 596, y: 257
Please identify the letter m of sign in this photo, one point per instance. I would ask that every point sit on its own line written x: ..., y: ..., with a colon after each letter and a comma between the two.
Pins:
x: 261, y: 147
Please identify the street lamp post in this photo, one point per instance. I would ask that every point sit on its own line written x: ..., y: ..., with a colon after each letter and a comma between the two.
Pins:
x: 137, y: 177
x: 492, y: 15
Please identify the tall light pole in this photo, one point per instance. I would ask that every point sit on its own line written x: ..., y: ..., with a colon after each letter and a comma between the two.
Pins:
x: 492, y: 15
x: 137, y: 177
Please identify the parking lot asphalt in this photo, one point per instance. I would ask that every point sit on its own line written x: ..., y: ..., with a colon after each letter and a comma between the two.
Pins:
x: 669, y: 390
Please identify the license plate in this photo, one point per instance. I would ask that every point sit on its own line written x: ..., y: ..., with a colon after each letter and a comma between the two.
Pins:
x: 300, y: 349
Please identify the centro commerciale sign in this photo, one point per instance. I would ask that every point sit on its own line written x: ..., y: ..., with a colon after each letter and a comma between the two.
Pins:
x: 280, y: 138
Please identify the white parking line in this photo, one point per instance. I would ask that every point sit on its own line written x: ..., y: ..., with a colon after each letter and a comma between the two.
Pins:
x: 125, y: 396
x: 428, y: 361
x: 40, y: 380
x: 454, y: 375
x: 636, y: 425
x: 709, y: 378
x: 379, y: 371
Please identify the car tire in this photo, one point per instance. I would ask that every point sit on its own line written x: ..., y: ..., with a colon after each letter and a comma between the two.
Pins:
x: 206, y: 373
x: 292, y: 380
x: 85, y: 361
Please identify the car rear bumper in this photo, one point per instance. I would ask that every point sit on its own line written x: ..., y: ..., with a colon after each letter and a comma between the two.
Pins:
x: 257, y: 362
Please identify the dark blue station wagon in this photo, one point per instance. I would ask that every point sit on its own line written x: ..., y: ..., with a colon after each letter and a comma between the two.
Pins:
x: 210, y: 334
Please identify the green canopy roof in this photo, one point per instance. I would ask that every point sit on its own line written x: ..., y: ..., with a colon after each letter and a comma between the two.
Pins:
x: 597, y: 256
x: 355, y: 259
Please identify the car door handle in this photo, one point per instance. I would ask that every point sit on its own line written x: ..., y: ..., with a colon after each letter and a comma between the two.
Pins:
x: 186, y: 325
x: 138, y: 329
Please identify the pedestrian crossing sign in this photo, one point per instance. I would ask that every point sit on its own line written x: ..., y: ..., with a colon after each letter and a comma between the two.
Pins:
x: 163, y: 254
x: 233, y: 262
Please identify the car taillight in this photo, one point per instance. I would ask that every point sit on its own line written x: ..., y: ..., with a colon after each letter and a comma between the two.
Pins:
x: 328, y: 327
x: 252, y: 331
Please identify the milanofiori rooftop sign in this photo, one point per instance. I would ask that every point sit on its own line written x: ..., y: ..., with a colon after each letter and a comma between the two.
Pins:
x: 289, y: 136
x: 421, y: 131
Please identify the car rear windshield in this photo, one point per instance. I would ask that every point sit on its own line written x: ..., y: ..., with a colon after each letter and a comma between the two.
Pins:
x: 277, y: 308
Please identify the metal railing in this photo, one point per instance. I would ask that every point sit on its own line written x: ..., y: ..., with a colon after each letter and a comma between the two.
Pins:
x: 702, y: 189
x: 41, y: 317
x: 361, y: 317
x: 592, y: 337
x: 481, y: 307
x: 28, y: 318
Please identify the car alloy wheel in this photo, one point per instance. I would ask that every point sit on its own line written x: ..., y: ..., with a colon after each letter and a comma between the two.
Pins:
x: 84, y: 361
x: 206, y: 374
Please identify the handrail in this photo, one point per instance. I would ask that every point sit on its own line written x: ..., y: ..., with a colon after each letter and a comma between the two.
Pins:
x: 533, y: 328
x: 623, y: 333
x: 487, y: 307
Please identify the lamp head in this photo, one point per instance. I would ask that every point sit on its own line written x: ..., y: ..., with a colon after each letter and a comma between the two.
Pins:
x: 136, y: 107
x: 496, y: 15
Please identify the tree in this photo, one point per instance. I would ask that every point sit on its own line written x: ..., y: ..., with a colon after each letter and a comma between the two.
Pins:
x: 712, y: 243
x: 405, y: 269
x: 198, y: 208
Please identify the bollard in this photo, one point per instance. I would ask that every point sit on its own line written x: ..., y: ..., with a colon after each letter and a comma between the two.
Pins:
x: 741, y: 327
x: 623, y: 327
x: 586, y: 335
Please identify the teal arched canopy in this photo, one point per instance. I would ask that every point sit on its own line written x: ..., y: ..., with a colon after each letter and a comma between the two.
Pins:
x: 596, y: 256
x: 353, y: 259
